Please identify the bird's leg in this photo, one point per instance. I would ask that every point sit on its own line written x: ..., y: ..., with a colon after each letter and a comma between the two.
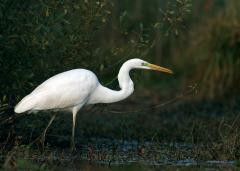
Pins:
x: 45, y: 130
x: 73, y: 130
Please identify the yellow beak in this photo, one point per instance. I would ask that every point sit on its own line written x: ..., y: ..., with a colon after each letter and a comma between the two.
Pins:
x: 159, y: 68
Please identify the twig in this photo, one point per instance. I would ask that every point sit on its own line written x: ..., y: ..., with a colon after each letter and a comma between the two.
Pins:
x: 193, y: 89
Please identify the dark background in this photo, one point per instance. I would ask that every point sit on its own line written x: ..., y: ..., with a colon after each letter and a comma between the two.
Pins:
x: 199, y: 40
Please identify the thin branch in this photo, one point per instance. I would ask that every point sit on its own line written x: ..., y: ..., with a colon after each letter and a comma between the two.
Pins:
x: 191, y: 90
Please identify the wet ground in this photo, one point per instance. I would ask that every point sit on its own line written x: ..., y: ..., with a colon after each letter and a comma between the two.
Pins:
x: 184, y: 136
x: 105, y: 154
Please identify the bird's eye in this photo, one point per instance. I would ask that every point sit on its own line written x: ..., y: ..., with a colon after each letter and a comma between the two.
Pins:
x: 143, y: 64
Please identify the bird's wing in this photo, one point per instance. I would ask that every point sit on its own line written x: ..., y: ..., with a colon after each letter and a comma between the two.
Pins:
x: 64, y: 90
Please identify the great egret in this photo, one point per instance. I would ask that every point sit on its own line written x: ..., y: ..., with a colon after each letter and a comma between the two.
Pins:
x: 73, y: 89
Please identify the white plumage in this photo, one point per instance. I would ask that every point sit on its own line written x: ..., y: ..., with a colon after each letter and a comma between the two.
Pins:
x: 62, y: 91
x: 72, y: 89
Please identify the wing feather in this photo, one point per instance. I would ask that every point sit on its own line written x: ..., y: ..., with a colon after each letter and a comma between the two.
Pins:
x: 64, y: 90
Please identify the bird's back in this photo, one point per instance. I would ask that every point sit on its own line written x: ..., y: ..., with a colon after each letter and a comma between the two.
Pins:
x: 64, y: 90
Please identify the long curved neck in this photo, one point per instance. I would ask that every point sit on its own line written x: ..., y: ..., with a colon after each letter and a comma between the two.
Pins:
x: 105, y: 95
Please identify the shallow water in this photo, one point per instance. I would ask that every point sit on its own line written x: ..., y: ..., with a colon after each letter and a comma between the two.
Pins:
x: 105, y: 154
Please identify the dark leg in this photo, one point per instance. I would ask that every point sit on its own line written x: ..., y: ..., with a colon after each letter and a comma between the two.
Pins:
x: 45, y: 130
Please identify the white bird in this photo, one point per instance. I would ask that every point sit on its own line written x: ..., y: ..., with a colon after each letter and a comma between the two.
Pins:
x: 73, y: 89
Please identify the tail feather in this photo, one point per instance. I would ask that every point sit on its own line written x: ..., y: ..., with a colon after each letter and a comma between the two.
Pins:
x: 24, y: 105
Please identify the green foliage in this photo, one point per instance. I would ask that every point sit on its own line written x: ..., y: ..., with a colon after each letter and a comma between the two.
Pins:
x: 212, y: 57
x: 41, y: 38
x: 175, y: 14
x: 222, y: 76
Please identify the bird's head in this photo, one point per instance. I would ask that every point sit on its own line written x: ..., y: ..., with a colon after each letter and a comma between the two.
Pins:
x: 141, y: 64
